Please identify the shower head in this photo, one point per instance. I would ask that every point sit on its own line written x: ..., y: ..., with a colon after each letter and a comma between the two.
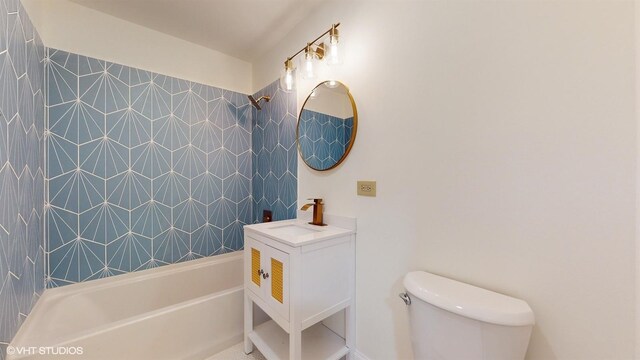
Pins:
x: 256, y: 102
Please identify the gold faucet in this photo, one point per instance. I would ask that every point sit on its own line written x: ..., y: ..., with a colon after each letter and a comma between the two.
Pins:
x: 317, y: 211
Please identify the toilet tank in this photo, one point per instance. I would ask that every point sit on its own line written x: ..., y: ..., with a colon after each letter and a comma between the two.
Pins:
x: 451, y: 320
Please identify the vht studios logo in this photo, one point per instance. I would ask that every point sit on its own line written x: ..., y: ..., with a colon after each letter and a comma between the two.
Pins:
x: 44, y: 350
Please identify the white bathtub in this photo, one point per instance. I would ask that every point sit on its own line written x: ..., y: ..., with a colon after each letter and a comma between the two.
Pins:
x: 189, y: 310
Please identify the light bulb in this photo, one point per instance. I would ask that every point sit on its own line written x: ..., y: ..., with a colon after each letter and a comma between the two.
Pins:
x: 331, y: 84
x: 287, y: 77
x: 333, y: 57
x: 309, y: 71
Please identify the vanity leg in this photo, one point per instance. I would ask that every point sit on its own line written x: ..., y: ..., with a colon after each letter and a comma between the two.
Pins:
x: 295, y: 345
x: 350, y: 330
x: 248, y: 324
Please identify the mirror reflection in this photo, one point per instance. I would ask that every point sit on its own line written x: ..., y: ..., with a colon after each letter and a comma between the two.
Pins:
x: 327, y: 126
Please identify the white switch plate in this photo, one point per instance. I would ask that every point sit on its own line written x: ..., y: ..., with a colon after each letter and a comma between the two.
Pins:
x: 367, y: 188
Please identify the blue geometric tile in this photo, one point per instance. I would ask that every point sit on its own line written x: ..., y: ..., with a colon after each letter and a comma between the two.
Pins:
x: 206, y: 136
x: 62, y: 156
x: 189, y: 161
x: 77, y: 260
x: 9, y: 318
x: 271, y: 188
x: 245, y: 211
x: 88, y: 66
x: 170, y: 132
x: 103, y: 91
x: 18, y: 247
x: 233, y: 237
x: 279, y: 161
x: 244, y: 117
x: 206, y: 188
x: 271, y: 135
x: 279, y: 211
x: 104, y: 158
x: 222, y: 163
x: 287, y: 132
x: 76, y: 121
x: 128, y: 128
x: 288, y: 188
x: 236, y: 139
x: 129, y: 190
x: 257, y: 137
x: 189, y: 107
x: 138, y: 76
x: 17, y: 44
x: 207, y: 240
x: 171, y: 246
x: 151, y: 160
x: 236, y: 187
x: 62, y: 83
x: 244, y: 164
x: 25, y: 194
x: 222, y: 113
x: 170, y: 189
x: 190, y: 215
x: 222, y: 212
x: 8, y: 197
x: 119, y: 72
x: 104, y: 223
x: 150, y: 99
x: 63, y: 227
x: 17, y: 144
x: 129, y: 253
x: 263, y: 163
x: 257, y: 184
x: 151, y: 219
x: 25, y: 101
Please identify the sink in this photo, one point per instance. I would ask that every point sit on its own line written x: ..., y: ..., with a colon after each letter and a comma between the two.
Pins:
x: 292, y: 230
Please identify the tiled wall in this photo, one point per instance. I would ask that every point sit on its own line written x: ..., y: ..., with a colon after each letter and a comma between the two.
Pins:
x: 323, y: 138
x: 275, y: 155
x: 21, y: 168
x: 143, y: 169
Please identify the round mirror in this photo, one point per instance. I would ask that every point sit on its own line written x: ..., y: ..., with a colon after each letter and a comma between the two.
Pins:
x: 327, y: 126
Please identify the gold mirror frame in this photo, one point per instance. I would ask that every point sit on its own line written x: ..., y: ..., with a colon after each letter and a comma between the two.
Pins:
x: 353, y: 134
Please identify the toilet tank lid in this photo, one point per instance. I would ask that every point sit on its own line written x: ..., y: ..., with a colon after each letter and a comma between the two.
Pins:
x: 468, y: 300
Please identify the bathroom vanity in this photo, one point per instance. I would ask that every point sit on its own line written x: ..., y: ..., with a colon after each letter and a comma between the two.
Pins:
x: 299, y: 275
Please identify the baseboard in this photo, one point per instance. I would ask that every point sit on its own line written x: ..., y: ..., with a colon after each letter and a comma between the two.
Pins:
x: 360, y: 356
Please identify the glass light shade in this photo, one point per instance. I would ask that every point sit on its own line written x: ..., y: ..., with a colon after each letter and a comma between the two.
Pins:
x: 309, y: 66
x: 333, y: 55
x: 287, y: 79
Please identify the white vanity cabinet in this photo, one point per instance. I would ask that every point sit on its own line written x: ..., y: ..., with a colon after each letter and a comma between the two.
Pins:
x: 299, y: 275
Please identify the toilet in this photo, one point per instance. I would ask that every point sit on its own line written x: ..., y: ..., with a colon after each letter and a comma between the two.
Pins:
x: 451, y: 320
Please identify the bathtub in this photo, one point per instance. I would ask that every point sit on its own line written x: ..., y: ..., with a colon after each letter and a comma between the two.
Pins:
x: 189, y: 310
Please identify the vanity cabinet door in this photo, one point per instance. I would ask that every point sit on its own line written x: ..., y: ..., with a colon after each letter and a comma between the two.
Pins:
x: 255, y: 266
x: 277, y: 291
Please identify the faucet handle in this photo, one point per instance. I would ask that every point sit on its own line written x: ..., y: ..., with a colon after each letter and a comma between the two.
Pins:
x: 316, y: 200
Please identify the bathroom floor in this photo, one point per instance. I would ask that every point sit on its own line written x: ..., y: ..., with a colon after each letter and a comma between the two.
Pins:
x: 237, y: 353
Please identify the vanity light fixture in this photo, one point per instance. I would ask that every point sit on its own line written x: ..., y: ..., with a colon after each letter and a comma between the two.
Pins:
x: 313, y: 52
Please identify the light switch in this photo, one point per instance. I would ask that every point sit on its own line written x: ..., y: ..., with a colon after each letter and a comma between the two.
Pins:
x: 367, y: 188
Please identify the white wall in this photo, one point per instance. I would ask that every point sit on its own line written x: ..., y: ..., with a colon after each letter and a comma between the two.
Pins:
x: 503, y: 139
x: 71, y: 27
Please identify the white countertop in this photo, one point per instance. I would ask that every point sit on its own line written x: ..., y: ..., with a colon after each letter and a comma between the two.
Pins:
x: 297, y: 232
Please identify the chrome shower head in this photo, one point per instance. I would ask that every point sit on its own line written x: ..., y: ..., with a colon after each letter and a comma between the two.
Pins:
x: 256, y: 102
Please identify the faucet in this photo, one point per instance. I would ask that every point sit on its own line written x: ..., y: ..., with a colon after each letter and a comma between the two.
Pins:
x: 317, y: 211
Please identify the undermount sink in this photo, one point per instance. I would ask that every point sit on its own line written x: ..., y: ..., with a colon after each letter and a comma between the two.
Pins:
x: 293, y: 230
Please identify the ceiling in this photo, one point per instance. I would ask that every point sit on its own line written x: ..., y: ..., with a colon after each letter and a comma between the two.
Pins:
x: 243, y: 29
